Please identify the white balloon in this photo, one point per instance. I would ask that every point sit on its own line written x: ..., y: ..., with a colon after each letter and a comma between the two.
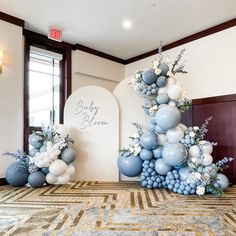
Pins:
x: 175, y: 134
x: 57, y: 167
x: 182, y: 126
x: 162, y: 139
x: 171, y: 81
x: 174, y: 91
x: 57, y: 152
x: 63, y: 179
x: 162, y: 90
x: 195, y: 151
x: 206, y: 146
x: 207, y: 159
x: 70, y: 170
x: 172, y: 103
x: 51, y: 179
x: 53, y: 156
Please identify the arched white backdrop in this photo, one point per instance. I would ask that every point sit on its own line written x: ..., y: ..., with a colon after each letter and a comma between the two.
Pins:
x: 93, y: 113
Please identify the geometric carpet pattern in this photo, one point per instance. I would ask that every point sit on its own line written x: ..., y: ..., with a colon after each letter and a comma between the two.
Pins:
x: 111, y: 208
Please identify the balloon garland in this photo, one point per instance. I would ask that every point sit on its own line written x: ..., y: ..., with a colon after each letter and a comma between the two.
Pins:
x: 170, y: 155
x: 49, y: 161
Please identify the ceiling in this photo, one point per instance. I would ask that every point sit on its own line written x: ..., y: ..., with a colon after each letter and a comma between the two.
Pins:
x: 98, y: 23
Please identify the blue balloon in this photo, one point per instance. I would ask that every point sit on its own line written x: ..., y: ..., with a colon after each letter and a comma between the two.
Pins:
x: 152, y: 126
x: 161, y: 81
x: 149, y: 76
x: 35, y: 140
x: 36, y: 179
x: 161, y: 168
x: 146, y: 154
x: 211, y: 170
x: 168, y: 117
x: 45, y: 170
x: 130, y: 166
x: 157, y: 152
x: 68, y: 155
x: 174, y: 153
x: 33, y: 151
x: 164, y: 68
x: 43, y: 148
x: 184, y: 173
x: 162, y: 98
x: 182, y: 165
x: 222, y: 180
x: 149, y: 140
x: 17, y: 174
x: 159, y: 130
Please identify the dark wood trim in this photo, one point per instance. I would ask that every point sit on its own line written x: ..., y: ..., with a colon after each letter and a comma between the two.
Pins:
x: 217, y: 99
x: 185, y: 40
x: 12, y: 19
x: 3, y: 181
x: 100, y: 54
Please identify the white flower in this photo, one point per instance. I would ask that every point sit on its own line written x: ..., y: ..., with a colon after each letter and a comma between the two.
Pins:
x: 137, y: 75
x: 158, y: 71
x: 193, y: 177
x: 133, y: 81
x: 200, y: 190
x: 169, y: 73
x: 135, y: 135
x: 196, y: 128
x: 131, y: 150
x: 153, y: 109
x: 156, y: 63
x: 137, y: 150
x: 192, y: 134
x: 195, y: 161
x: 206, y: 178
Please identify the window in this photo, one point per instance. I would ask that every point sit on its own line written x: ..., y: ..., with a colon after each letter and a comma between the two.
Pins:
x: 47, y: 81
x: 44, y: 87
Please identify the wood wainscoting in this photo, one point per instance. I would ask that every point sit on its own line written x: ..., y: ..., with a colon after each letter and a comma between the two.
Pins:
x: 221, y: 129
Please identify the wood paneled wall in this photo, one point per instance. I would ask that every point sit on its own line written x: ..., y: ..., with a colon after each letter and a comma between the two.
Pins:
x: 222, y: 127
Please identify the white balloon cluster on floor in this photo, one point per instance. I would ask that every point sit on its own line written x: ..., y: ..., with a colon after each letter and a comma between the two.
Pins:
x: 170, y: 155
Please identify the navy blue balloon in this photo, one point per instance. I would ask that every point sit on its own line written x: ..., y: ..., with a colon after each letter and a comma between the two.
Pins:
x: 17, y: 174
x: 130, y: 166
x: 146, y: 154
x: 149, y: 76
x: 68, y: 155
x: 45, y: 170
x: 149, y: 140
x: 161, y: 81
x: 164, y: 68
x: 162, y: 98
x: 36, y: 179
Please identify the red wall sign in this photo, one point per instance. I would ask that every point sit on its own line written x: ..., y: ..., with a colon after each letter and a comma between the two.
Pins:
x: 54, y: 34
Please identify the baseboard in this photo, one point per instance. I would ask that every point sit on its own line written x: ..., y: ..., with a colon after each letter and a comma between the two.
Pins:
x: 3, y: 181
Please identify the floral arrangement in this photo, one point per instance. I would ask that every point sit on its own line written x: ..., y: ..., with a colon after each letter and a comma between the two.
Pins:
x: 49, y: 160
x: 171, y: 155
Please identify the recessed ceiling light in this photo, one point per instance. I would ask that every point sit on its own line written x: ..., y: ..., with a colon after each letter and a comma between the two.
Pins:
x: 127, y: 24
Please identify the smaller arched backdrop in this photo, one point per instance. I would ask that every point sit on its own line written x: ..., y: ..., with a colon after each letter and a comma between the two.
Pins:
x: 93, y: 113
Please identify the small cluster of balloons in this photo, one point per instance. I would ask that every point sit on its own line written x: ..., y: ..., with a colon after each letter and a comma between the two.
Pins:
x: 49, y: 162
x: 171, y: 155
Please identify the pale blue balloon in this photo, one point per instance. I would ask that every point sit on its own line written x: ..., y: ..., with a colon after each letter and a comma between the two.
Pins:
x: 161, y: 168
x: 211, y: 170
x: 149, y: 140
x: 161, y: 81
x: 164, y: 68
x: 35, y: 140
x: 152, y: 126
x: 36, y: 179
x: 168, y: 117
x: 149, y: 76
x: 130, y: 166
x: 174, y: 153
x: 222, y: 180
x: 157, y: 152
x: 181, y: 165
x: 43, y: 148
x: 159, y: 130
x: 184, y: 173
x: 162, y: 98
x: 146, y: 154
x: 33, y: 151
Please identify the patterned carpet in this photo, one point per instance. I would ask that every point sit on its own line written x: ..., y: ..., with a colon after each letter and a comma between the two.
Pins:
x: 107, y: 208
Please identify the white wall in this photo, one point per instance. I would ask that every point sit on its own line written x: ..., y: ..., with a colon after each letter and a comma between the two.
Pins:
x: 210, y: 62
x: 88, y: 69
x: 11, y: 92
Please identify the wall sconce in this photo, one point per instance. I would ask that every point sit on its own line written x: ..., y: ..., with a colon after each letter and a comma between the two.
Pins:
x: 1, y: 60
